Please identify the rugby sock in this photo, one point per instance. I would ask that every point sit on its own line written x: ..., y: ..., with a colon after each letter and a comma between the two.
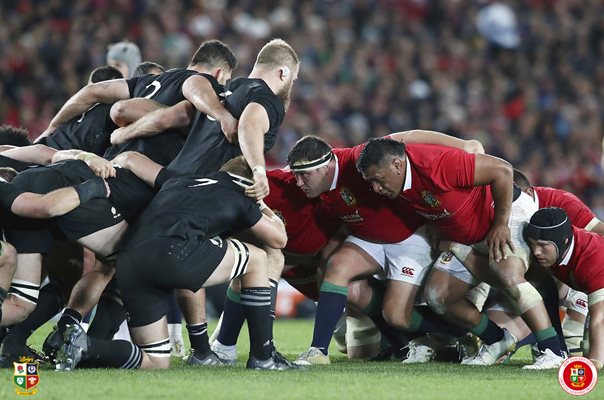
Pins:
x: 424, y: 320
x: 49, y: 304
x: 113, y: 354
x: 109, y: 316
x: 487, y: 330
x: 69, y: 317
x: 530, y: 339
x: 198, y: 336
x: 233, y: 318
x: 256, y: 304
x: 332, y: 302
x: 274, y: 286
x: 548, y: 339
x: 549, y: 293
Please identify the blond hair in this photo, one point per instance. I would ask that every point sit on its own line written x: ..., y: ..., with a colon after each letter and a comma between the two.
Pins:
x: 278, y: 52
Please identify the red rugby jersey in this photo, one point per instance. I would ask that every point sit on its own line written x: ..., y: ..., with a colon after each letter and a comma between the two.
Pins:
x: 367, y: 214
x: 583, y: 266
x: 439, y: 185
x: 580, y: 215
x: 307, y: 232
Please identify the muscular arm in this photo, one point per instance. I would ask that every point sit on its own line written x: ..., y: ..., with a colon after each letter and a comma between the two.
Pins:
x: 36, y: 154
x: 253, y: 124
x: 432, y: 137
x: 142, y: 166
x: 596, y: 332
x: 100, y: 92
x: 199, y: 91
x: 498, y: 174
x: 124, y: 112
x: 101, y: 167
x: 162, y: 119
x: 270, y: 230
x: 52, y: 204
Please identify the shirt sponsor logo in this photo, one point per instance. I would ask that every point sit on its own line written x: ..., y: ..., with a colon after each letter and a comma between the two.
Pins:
x: 444, y: 214
x: 352, y: 218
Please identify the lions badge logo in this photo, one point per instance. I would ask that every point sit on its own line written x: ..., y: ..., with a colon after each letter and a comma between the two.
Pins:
x: 348, y: 197
x: 430, y: 199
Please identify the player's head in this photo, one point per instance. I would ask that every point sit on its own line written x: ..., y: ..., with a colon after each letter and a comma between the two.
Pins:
x: 240, y: 171
x: 7, y: 174
x: 14, y: 136
x: 148, y: 67
x: 124, y: 56
x: 278, y: 55
x: 523, y: 182
x: 310, y: 160
x: 104, y: 73
x: 549, y: 234
x: 383, y: 164
x: 217, y: 58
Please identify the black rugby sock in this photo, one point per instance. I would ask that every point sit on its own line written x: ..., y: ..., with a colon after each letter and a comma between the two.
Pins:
x: 256, y: 303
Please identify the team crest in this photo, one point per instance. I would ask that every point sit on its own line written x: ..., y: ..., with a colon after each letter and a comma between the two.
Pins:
x: 348, y: 197
x: 26, y: 376
x: 281, y: 217
x: 577, y: 375
x: 430, y: 199
x: 446, y: 257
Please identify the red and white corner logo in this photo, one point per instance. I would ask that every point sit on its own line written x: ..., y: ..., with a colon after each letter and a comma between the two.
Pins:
x: 577, y: 376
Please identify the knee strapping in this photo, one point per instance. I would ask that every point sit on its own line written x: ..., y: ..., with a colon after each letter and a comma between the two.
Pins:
x: 27, y: 291
x: 524, y: 295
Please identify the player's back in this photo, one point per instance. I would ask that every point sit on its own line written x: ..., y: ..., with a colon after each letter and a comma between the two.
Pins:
x: 206, y: 148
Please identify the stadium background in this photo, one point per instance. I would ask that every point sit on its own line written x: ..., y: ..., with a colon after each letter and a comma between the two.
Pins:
x: 529, y: 85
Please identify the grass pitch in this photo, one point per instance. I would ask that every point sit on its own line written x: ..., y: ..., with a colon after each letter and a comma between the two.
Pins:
x: 343, y: 379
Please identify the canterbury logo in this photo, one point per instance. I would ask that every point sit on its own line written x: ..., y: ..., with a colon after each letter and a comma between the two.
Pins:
x: 581, y: 303
x: 407, y: 271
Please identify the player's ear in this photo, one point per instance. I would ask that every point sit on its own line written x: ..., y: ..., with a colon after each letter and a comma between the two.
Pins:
x: 285, y: 72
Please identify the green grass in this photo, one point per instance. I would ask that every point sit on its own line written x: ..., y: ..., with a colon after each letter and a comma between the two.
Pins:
x: 343, y: 379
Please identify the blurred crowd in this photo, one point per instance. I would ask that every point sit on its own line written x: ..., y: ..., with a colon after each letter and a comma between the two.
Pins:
x: 522, y: 76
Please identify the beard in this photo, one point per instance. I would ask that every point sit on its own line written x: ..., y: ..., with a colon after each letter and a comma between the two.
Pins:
x: 285, y: 94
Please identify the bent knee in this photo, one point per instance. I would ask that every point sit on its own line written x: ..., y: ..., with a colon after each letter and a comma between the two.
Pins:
x: 436, y: 299
x: 397, y: 319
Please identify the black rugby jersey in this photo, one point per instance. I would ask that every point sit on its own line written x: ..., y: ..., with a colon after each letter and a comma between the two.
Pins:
x: 192, y: 206
x: 206, y: 148
x: 166, y: 89
x: 89, y: 132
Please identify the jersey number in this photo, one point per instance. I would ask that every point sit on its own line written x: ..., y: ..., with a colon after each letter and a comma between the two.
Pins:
x: 156, y: 86
x: 204, y: 182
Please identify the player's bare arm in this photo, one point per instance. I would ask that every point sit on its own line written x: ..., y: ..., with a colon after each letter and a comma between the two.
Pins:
x: 442, y: 139
x: 124, y: 112
x: 253, y: 124
x: 270, y: 229
x: 156, y: 122
x: 58, y: 202
x: 498, y: 174
x: 140, y: 165
x: 199, y: 91
x: 36, y: 154
x: 101, y: 167
x: 100, y: 92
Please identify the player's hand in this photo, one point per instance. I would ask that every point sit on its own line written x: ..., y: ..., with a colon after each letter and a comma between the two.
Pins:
x: 498, y: 239
x: 117, y: 136
x: 108, y: 189
x: 101, y: 167
x: 259, y: 189
x: 47, y: 132
x: 473, y: 146
x: 229, y: 125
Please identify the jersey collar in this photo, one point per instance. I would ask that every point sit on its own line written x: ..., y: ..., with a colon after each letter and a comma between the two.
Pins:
x: 336, y: 174
x: 569, y: 253
x: 407, y: 184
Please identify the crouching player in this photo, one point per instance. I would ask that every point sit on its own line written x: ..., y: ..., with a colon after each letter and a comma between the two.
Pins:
x: 179, y: 241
